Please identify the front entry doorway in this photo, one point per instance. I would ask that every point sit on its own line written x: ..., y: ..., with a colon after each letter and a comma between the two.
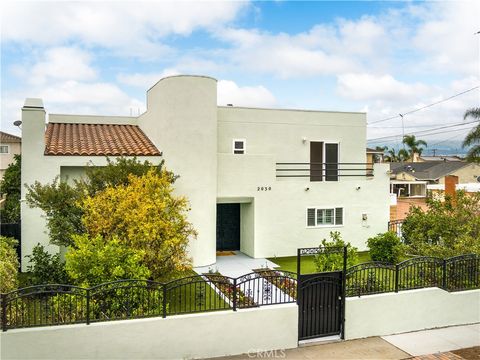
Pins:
x: 228, y: 227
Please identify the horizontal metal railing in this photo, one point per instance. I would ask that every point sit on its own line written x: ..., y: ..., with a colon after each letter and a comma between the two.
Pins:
x: 323, y: 171
x: 59, y: 304
x: 452, y: 274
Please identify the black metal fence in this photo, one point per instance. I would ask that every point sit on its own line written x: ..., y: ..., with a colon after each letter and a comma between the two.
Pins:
x: 58, y: 304
x: 452, y: 274
x: 396, y: 227
x: 317, y: 171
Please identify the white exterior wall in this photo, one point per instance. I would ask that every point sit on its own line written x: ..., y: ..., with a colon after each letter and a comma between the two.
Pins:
x: 178, y: 337
x: 280, y: 214
x: 181, y: 120
x: 386, y: 314
x: 195, y: 136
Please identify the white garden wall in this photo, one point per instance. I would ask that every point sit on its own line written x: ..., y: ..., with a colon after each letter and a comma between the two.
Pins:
x: 177, y: 337
x: 391, y: 313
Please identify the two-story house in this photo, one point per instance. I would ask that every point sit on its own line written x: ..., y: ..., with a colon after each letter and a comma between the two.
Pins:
x: 262, y: 181
x: 10, y: 145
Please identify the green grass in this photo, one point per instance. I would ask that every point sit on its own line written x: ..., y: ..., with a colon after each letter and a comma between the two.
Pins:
x: 289, y: 263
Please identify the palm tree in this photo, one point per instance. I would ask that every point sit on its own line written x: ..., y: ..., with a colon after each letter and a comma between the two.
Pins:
x: 473, y: 137
x: 393, y: 156
x: 414, y: 145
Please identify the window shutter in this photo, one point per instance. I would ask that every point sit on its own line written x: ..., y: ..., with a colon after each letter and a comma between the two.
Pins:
x: 338, y: 216
x: 310, y: 217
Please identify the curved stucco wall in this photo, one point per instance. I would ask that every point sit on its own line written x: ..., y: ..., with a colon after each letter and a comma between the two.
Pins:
x: 181, y: 120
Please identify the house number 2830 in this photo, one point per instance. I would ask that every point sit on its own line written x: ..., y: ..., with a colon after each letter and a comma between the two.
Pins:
x: 264, y: 188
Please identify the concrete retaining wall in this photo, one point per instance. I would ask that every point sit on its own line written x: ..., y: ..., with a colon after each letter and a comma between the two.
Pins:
x: 411, y: 310
x: 177, y: 337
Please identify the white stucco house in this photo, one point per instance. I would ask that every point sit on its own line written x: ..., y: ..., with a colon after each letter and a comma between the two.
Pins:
x: 262, y: 181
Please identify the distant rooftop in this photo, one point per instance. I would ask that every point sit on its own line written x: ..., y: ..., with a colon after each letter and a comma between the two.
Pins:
x: 427, y: 170
x: 9, y: 138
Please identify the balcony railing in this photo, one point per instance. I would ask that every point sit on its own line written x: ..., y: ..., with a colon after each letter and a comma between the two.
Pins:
x: 323, y: 171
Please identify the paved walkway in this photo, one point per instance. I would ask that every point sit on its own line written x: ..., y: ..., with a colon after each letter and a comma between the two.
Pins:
x: 236, y: 265
x: 396, y: 347
x: 437, y: 340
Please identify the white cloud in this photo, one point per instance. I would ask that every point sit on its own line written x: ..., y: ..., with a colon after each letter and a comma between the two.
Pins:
x: 362, y: 86
x: 145, y: 81
x: 228, y: 92
x: 62, y: 63
x: 446, y: 37
x: 133, y: 28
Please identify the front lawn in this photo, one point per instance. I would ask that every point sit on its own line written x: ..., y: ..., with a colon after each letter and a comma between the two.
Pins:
x: 289, y: 263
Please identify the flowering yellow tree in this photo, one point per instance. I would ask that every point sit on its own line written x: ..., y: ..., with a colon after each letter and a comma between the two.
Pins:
x: 147, y: 216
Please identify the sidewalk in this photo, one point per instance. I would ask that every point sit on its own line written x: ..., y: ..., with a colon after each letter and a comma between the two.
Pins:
x: 392, y: 347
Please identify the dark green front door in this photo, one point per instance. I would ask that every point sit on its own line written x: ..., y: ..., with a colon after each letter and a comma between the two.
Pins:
x: 228, y: 226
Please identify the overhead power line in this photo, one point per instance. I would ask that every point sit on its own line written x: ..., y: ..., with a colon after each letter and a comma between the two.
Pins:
x: 425, y: 135
x: 425, y: 132
x: 423, y: 107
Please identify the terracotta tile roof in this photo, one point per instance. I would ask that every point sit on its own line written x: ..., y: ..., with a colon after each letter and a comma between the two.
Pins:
x: 9, y: 138
x: 97, y: 140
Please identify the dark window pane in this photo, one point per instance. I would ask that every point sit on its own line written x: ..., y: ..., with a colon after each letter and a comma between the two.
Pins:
x: 311, y: 217
x: 339, y: 216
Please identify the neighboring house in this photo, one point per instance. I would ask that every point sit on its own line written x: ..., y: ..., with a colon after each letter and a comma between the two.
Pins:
x: 374, y: 156
x: 409, y: 179
x: 10, y: 145
x: 262, y: 181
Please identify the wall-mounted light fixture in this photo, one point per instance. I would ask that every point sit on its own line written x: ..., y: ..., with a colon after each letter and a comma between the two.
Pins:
x: 304, y: 140
x: 307, y: 188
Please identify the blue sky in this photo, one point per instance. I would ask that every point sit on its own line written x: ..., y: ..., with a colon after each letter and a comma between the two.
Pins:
x: 384, y: 58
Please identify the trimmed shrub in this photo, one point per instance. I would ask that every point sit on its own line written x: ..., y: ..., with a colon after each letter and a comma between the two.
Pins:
x: 332, y: 261
x: 386, y: 247
x: 46, y: 268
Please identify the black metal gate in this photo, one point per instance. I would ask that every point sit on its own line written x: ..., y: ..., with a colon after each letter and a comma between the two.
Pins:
x: 321, y: 299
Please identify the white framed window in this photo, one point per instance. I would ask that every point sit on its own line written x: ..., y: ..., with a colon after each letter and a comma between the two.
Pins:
x: 239, y: 146
x: 4, y: 149
x: 324, y: 216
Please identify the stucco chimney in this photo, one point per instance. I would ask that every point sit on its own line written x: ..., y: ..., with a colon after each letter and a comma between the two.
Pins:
x: 450, y: 185
x: 33, y: 147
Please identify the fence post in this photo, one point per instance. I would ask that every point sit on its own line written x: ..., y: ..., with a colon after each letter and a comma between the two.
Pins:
x: 444, y: 274
x: 88, y: 306
x: 344, y: 289
x: 4, y: 312
x: 396, y: 278
x: 164, y: 301
x: 235, y: 294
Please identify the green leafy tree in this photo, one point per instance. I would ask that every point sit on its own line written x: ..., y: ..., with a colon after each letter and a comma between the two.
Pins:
x: 473, y: 137
x: 46, y: 268
x: 60, y: 201
x: 386, y: 247
x: 95, y: 260
x: 447, y: 228
x: 146, y: 216
x: 328, y: 260
x: 8, y: 264
x: 10, y: 187
x: 414, y: 145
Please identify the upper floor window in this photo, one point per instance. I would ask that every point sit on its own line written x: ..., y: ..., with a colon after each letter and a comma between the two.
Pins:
x: 4, y: 149
x: 323, y: 161
x: 239, y: 146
